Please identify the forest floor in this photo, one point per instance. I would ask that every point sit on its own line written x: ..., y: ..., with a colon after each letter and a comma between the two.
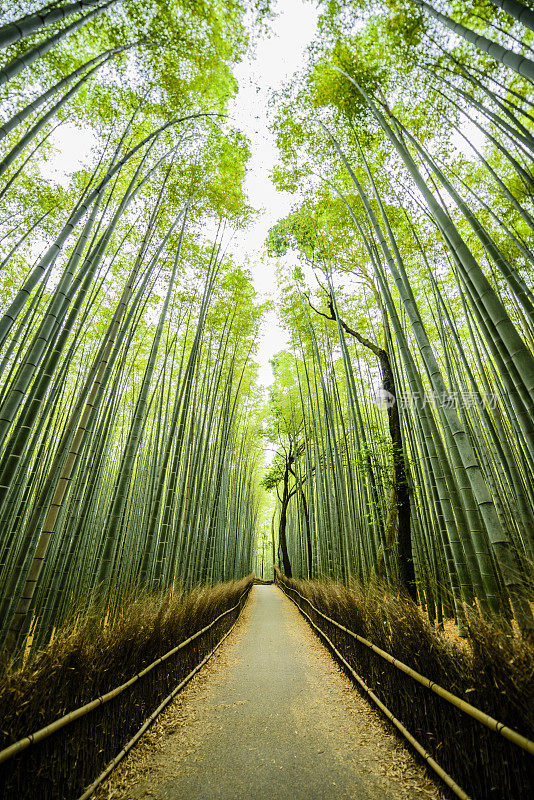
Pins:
x: 270, y: 716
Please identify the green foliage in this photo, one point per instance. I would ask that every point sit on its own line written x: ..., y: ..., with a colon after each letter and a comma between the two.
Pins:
x: 128, y: 363
x: 409, y: 151
x: 329, y: 87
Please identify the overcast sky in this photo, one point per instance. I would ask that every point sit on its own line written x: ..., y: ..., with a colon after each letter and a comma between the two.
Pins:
x: 275, y: 60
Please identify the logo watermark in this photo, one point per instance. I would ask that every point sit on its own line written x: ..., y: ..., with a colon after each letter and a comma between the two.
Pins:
x: 384, y: 399
x: 417, y: 400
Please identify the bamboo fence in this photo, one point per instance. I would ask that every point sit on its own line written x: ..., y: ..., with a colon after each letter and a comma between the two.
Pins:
x: 66, y: 754
x: 489, y: 767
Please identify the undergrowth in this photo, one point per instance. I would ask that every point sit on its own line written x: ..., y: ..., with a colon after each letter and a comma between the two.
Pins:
x: 491, y: 670
x: 88, y: 658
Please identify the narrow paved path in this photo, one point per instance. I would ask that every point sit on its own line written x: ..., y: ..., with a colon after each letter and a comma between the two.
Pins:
x: 273, y: 718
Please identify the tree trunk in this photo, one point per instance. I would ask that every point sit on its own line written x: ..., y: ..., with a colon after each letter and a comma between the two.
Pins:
x: 282, y: 541
x: 400, y: 480
x: 402, y: 491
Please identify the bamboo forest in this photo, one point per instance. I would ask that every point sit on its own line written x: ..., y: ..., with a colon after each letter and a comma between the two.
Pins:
x: 266, y: 399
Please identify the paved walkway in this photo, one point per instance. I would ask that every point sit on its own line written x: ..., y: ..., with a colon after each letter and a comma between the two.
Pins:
x: 276, y: 719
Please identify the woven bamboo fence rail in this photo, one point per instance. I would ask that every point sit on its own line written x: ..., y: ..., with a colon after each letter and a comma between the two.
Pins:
x: 524, y: 784
x: 64, y: 767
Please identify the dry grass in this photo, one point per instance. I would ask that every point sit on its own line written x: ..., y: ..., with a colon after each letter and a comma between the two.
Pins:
x: 493, y: 672
x: 89, y: 658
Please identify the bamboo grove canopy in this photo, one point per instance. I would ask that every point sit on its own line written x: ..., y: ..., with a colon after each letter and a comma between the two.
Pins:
x: 401, y: 415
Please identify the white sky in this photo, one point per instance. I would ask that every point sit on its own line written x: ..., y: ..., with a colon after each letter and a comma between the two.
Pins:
x: 275, y: 59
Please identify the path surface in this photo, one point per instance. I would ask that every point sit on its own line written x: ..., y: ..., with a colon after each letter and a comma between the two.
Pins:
x: 272, y: 718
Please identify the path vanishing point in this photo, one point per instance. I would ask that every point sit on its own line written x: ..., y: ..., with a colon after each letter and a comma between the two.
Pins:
x: 270, y: 717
